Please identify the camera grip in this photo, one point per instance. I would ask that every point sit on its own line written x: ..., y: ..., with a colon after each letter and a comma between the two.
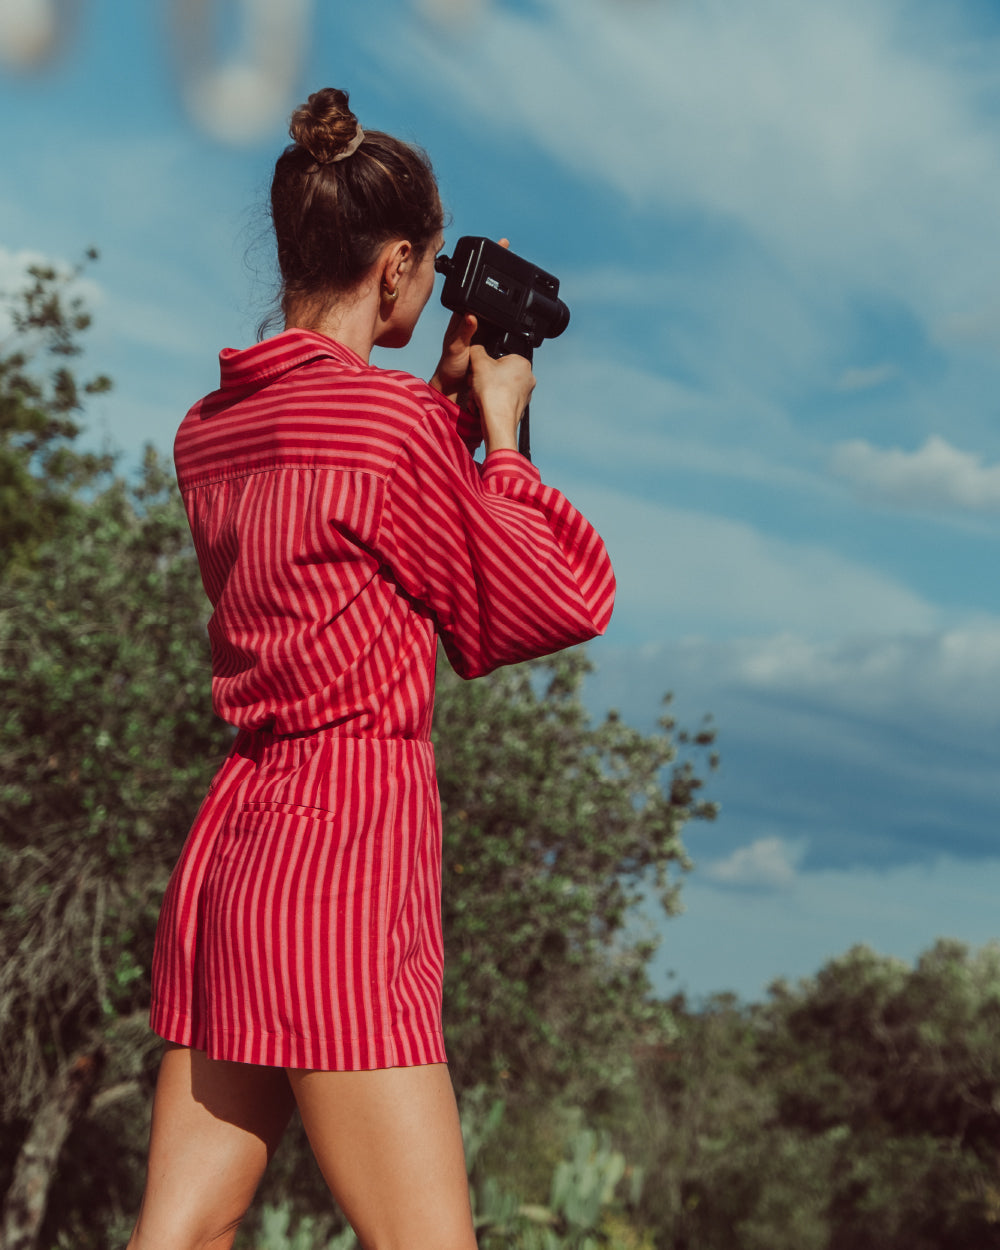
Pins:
x: 524, y: 435
x: 499, y: 343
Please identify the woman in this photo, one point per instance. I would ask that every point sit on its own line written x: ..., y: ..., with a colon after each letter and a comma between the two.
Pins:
x: 342, y: 527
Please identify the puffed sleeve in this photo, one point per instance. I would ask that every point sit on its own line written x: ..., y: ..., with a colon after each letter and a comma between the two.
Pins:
x: 509, y: 568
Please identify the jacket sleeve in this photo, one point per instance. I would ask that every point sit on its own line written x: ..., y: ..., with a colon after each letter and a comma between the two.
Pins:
x: 509, y: 568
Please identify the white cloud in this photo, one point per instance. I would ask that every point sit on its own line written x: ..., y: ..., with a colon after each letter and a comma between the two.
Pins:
x: 625, y: 416
x: 766, y: 864
x: 685, y: 572
x: 866, y: 379
x: 14, y: 267
x: 935, y: 476
x: 739, y: 940
x: 807, y: 125
x: 447, y: 12
x: 735, y: 326
x: 869, y: 750
x: 919, y: 677
x: 820, y: 176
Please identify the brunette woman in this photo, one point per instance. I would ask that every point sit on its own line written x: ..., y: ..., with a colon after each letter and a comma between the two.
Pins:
x: 342, y: 527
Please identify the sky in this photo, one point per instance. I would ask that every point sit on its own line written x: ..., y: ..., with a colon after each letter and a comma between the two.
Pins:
x: 776, y: 226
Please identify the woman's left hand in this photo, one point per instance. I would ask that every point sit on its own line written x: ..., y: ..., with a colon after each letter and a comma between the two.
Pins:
x: 451, y: 375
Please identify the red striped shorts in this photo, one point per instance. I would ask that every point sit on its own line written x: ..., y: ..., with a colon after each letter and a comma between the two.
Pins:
x: 302, y: 925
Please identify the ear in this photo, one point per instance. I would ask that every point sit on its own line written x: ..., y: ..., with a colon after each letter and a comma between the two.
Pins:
x: 396, y: 261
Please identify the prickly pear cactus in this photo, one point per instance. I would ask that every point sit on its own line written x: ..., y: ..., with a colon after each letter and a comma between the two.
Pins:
x: 585, y: 1183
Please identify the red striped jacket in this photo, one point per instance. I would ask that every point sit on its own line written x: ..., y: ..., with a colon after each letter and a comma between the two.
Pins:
x: 341, y: 526
x: 341, y: 523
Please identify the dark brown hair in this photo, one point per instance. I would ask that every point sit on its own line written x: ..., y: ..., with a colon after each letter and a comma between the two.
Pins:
x: 332, y: 216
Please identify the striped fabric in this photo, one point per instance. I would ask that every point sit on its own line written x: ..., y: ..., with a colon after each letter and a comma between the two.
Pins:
x: 342, y: 526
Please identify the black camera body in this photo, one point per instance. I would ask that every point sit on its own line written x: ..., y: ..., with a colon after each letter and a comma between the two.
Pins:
x: 516, y: 303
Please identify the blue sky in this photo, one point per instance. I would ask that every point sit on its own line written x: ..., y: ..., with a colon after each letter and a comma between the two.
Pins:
x: 776, y: 226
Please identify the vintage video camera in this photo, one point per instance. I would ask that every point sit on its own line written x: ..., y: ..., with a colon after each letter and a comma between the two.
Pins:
x: 516, y: 303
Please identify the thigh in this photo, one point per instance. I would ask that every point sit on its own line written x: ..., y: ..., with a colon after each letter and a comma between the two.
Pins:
x: 389, y: 1144
x: 215, y: 1126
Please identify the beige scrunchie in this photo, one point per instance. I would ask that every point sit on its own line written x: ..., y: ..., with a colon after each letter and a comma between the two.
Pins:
x: 351, y: 148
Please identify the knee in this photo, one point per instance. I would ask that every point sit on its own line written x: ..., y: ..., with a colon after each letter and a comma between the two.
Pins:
x: 185, y: 1233
x: 443, y: 1239
x: 219, y: 1238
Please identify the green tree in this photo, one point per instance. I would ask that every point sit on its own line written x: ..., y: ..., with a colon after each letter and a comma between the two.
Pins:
x: 902, y: 1066
x: 723, y: 1174
x: 857, y: 1110
x: 106, y: 746
x: 107, y: 743
x: 41, y: 473
x: 554, y: 829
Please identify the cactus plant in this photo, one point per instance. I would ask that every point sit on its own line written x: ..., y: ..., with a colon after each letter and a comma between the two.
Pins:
x: 584, y: 1184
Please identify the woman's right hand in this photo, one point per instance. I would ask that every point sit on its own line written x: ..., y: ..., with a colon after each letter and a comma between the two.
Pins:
x: 501, y: 389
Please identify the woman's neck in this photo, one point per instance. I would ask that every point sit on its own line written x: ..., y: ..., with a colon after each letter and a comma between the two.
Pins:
x: 352, y: 320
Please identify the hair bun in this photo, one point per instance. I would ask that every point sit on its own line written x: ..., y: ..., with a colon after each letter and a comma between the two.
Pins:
x: 324, y: 126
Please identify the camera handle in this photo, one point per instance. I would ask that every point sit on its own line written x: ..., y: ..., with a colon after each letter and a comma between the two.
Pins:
x: 524, y: 434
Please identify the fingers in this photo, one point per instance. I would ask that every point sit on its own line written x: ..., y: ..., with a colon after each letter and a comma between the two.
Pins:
x: 450, y: 375
x: 462, y: 326
x: 457, y: 337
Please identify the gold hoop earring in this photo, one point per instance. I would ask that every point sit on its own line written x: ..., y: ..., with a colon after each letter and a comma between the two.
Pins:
x: 391, y: 296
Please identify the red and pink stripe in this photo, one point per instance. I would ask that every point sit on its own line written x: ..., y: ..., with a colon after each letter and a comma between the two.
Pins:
x: 341, y: 527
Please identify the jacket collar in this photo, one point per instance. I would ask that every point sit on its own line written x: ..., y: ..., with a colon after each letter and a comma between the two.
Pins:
x: 250, y: 366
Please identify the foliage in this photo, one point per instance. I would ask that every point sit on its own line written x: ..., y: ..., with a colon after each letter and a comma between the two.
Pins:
x: 275, y: 1232
x: 105, y: 748
x: 104, y: 739
x: 552, y: 827
x: 858, y: 1109
x: 583, y: 1202
x: 41, y: 473
x: 902, y: 1067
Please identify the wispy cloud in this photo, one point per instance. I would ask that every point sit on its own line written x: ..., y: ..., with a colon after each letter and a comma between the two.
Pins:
x: 873, y: 750
x: 806, y: 125
x: 906, y: 676
x: 835, y: 158
x: 791, y: 932
x: 865, y: 379
x: 766, y: 864
x: 687, y: 572
x: 935, y: 476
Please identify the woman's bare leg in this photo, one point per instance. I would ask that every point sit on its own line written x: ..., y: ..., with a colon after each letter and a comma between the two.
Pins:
x: 390, y: 1147
x: 215, y: 1125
